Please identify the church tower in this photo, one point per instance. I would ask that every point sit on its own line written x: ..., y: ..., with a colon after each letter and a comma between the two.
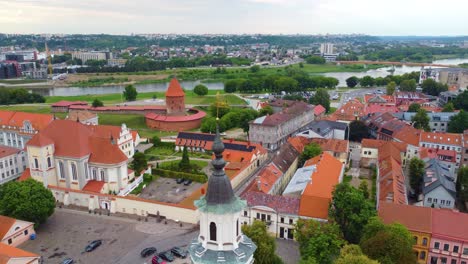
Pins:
x: 220, y: 238
x: 175, y: 99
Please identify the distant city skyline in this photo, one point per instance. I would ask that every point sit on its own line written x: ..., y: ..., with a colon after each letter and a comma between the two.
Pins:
x: 371, y: 17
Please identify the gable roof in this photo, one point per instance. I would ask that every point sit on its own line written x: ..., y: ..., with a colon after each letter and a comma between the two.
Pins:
x: 449, y: 223
x: 437, y: 174
x: 286, y: 156
x: 323, y: 127
x: 6, y: 151
x: 442, y: 138
x: 174, y: 89
x: 319, y: 109
x: 5, y: 225
x: 8, y: 252
x: 415, y: 218
x: 266, y: 179
x: 94, y: 186
x: 281, y: 204
x: 17, y: 119
x: 391, y: 180
x: 332, y: 144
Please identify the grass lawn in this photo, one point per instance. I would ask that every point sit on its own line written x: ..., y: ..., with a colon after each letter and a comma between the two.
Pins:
x: 332, y: 110
x: 23, y: 81
x: 160, y: 151
x: 200, y: 163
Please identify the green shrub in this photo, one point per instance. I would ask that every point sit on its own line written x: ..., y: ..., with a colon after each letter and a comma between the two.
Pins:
x: 202, y: 178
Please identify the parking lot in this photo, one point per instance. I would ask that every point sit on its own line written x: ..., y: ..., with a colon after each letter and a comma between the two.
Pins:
x: 67, y: 232
x: 167, y: 190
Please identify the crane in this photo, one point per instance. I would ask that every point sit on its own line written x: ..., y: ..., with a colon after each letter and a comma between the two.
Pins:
x: 49, y: 60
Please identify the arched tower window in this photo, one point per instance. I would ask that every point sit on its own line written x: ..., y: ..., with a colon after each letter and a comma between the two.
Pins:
x: 49, y: 162
x: 36, y: 164
x: 74, y: 172
x: 212, y: 231
x: 62, y: 170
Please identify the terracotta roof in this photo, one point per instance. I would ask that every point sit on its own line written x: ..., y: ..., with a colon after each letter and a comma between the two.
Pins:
x: 441, y: 154
x: 372, y: 143
x: 17, y: 119
x: 449, y: 224
x: 299, y: 143
x: 25, y: 175
x: 198, y: 114
x: 349, y: 111
x: 317, y: 195
x: 5, y: 225
x: 8, y: 252
x: 134, y: 135
x: 174, y: 89
x: 103, y: 152
x: 68, y: 103
x: 442, y: 138
x: 387, y: 125
x: 319, y: 109
x: 266, y: 179
x: 286, y: 157
x: 81, y: 116
x: 94, y: 186
x: 391, y: 178
x: 286, y: 114
x: 380, y: 108
x: 40, y: 140
x: 415, y: 218
x: 6, y: 151
x: 331, y: 144
x: 281, y: 204
x: 387, y: 99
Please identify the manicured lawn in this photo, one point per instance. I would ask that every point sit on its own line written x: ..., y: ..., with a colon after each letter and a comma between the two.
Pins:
x: 159, y: 151
x: 200, y: 163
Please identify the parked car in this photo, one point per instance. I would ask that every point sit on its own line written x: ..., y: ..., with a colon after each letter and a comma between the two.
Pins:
x: 157, y: 260
x: 178, y: 252
x: 67, y: 261
x: 93, y: 245
x: 147, y: 252
x: 180, y: 180
x: 167, y: 256
x: 335, y: 97
x: 187, y: 182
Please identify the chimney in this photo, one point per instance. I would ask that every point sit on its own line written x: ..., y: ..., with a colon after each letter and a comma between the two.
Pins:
x: 259, y: 184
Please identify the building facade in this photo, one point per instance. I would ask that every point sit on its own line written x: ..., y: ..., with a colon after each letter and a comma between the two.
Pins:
x: 438, y: 122
x: 14, y: 232
x: 12, y: 163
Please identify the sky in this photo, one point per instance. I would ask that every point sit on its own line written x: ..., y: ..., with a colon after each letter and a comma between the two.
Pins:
x: 373, y: 17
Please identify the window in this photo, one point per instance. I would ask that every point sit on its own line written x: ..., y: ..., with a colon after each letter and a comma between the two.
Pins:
x: 415, y: 239
x: 465, y: 251
x: 291, y: 221
x: 102, y: 175
x: 443, y: 260
x: 36, y: 164
x: 455, y: 249
x: 61, y: 170
x: 463, y: 262
x: 429, y: 200
x: 268, y: 217
x: 94, y: 174
x: 424, y: 242
x: 258, y: 215
x: 442, y: 202
x: 453, y: 261
x: 26, y: 232
x: 448, y: 203
x: 237, y: 228
x: 436, y: 245
x: 245, y: 213
x: 435, y: 200
x: 10, y: 241
x: 74, y: 172
x: 49, y: 162
x: 212, y: 231
x: 422, y: 255
x: 446, y: 247
x: 282, y: 219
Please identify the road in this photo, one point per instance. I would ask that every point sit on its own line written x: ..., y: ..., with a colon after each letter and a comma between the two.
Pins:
x: 354, y: 93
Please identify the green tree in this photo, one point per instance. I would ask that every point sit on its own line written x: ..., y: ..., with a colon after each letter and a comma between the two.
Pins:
x: 462, y: 185
x: 200, y: 90
x: 364, y: 188
x: 350, y: 210
x: 255, y: 69
x: 416, y: 173
x: 414, y: 108
x: 367, y: 81
x: 461, y: 101
x: 209, y: 125
x: 388, y: 244
x: 266, y: 244
x: 408, y: 85
x: 391, y: 86
x: 421, y: 120
x: 26, y: 200
x: 266, y: 110
x: 219, y: 108
x: 352, y: 81
x: 230, y: 86
x: 310, y: 151
x: 286, y: 84
x: 318, y: 241
x: 431, y: 87
x: 321, y: 97
x: 357, y: 131
x: 130, y: 93
x: 315, y: 60
x: 156, y: 141
x: 458, y: 123
x: 97, y: 103
x: 352, y: 254
x: 139, y: 162
x: 448, y: 107
x: 184, y: 163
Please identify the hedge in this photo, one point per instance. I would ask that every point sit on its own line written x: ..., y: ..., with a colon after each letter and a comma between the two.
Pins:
x: 175, y: 175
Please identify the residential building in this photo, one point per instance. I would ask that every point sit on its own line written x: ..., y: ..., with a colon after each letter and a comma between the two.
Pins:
x: 417, y: 219
x: 370, y: 150
x: 272, y: 131
x: 439, y: 186
x: 9, y: 69
x: 444, y: 141
x: 280, y: 213
x: 14, y: 232
x: 327, y: 48
x: 465, y: 148
x: 337, y: 148
x: 12, y: 163
x: 449, y: 241
x: 350, y: 111
x: 268, y: 180
x: 379, y: 99
x: 12, y: 255
x: 438, y: 122
x: 448, y: 158
x: 71, y: 155
x: 408, y: 98
x: 64, y: 106
x: 446, y: 97
x: 16, y: 128
x: 84, y: 117
x: 85, y: 56
x: 317, y: 194
x: 220, y: 238
x: 279, y: 104
x: 325, y: 129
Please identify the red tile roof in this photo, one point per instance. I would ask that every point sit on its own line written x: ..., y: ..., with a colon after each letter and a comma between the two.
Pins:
x: 380, y: 108
x: 94, y: 186
x: 299, y: 143
x: 319, y: 110
x: 415, y: 218
x: 8, y: 252
x: 266, y: 179
x: 449, y: 224
x: 317, y: 195
x: 442, y: 154
x: 350, y: 111
x: 174, y: 89
x: 198, y: 114
x: 25, y: 175
x: 442, y: 138
x: 331, y: 144
x: 281, y: 204
x: 372, y: 143
x: 68, y: 103
x: 80, y: 115
x: 391, y: 179
x: 6, y: 151
x: 5, y: 225
x: 17, y: 119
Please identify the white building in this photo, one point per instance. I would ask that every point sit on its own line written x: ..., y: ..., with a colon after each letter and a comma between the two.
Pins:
x: 327, y: 48
x: 12, y: 163
x: 85, y: 56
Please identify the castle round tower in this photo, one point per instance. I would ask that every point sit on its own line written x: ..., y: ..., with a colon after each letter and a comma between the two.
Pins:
x: 175, y: 99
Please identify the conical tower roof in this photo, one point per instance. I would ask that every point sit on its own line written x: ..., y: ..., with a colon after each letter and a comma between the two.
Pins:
x: 174, y: 89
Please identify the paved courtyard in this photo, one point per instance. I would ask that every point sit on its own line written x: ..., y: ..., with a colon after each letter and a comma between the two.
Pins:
x: 167, y: 190
x: 67, y: 232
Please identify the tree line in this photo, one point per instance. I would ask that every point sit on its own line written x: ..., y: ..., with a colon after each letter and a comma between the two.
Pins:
x: 19, y: 96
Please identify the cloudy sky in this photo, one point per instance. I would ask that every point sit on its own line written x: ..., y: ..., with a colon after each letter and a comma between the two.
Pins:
x: 375, y: 17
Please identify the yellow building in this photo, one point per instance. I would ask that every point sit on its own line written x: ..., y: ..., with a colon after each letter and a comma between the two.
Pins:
x: 417, y: 219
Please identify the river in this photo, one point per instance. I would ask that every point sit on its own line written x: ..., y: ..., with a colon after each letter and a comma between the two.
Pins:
x: 189, y: 85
